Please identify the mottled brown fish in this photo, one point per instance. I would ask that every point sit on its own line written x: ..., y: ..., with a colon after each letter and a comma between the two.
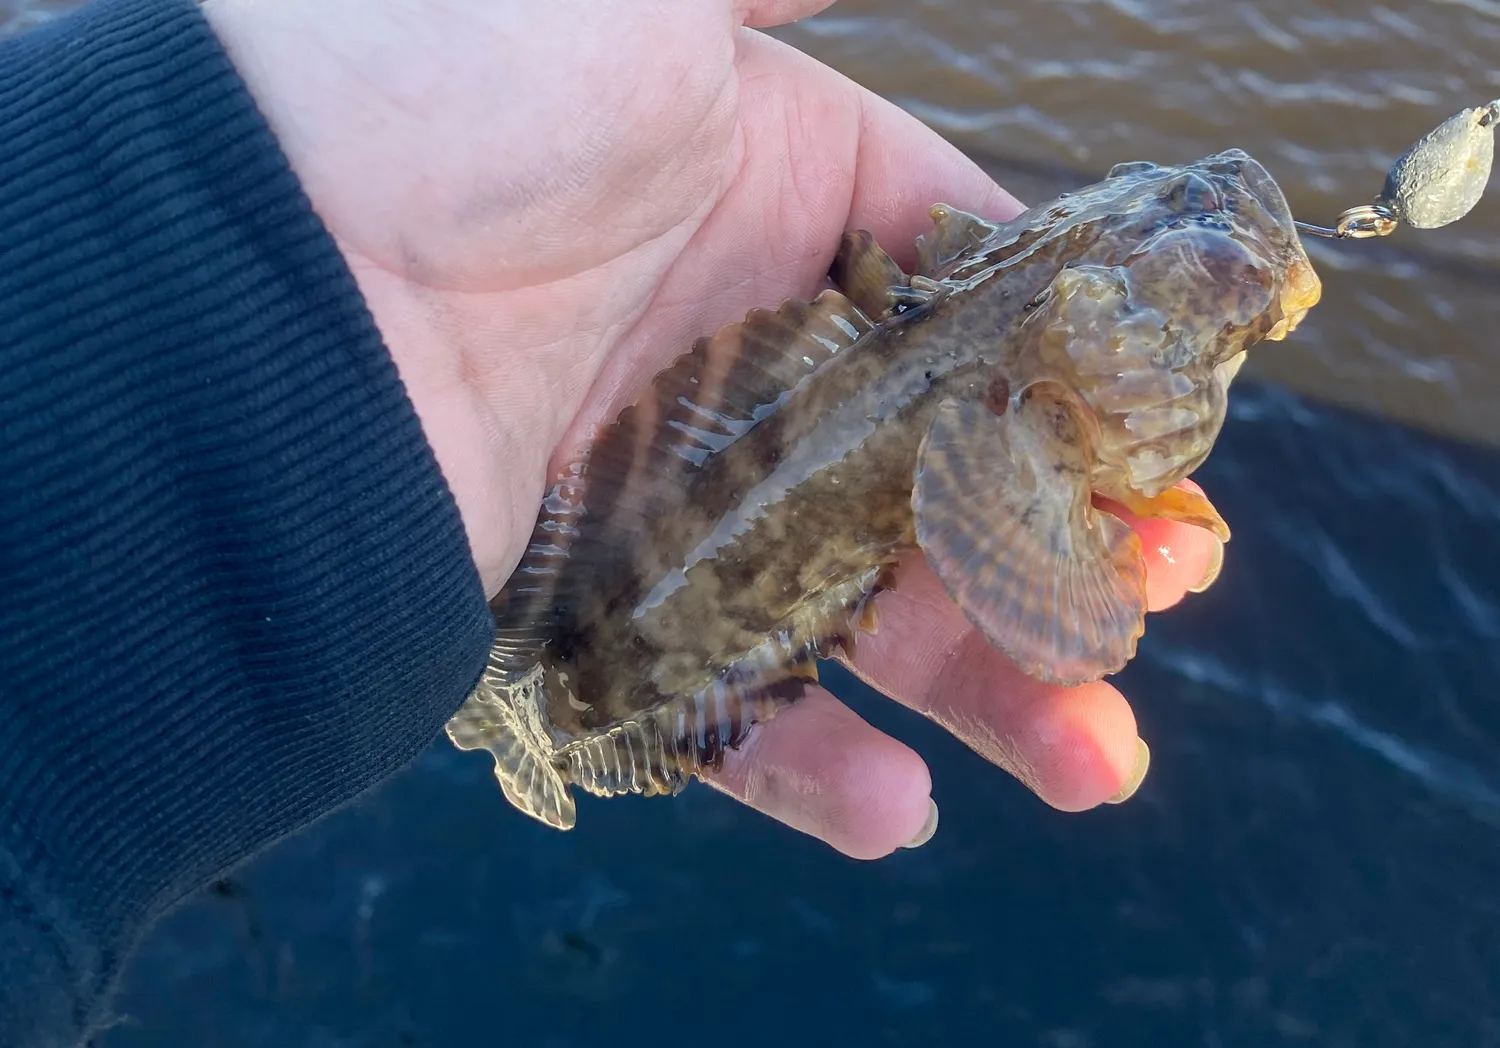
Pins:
x: 732, y: 524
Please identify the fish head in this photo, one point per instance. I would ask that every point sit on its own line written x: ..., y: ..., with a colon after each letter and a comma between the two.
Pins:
x: 1176, y: 271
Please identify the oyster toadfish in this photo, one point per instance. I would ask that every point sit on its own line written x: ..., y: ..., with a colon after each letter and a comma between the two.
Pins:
x: 732, y: 524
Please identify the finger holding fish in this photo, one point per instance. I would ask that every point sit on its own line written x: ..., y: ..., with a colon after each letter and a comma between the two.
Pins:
x: 1180, y: 558
x: 821, y: 769
x: 1075, y: 747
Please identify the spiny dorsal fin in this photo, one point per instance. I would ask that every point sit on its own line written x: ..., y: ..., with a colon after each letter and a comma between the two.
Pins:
x: 955, y: 236
x: 867, y: 274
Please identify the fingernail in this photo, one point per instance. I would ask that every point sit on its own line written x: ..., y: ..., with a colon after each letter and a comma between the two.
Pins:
x: 928, y: 828
x: 1215, y: 565
x: 1137, y: 774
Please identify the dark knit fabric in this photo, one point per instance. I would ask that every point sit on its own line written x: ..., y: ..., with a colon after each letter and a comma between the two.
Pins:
x: 234, y: 588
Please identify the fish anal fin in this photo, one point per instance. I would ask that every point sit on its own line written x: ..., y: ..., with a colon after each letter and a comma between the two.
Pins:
x: 1175, y: 503
x: 502, y: 715
x: 1005, y: 517
x: 657, y: 752
x: 955, y: 236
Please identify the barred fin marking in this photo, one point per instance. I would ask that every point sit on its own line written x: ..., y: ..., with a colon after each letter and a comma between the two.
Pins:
x: 868, y: 275
x: 642, y: 461
x: 659, y: 750
x: 646, y: 460
x: 657, y: 753
x: 525, y: 609
x: 877, y: 285
x: 1005, y: 515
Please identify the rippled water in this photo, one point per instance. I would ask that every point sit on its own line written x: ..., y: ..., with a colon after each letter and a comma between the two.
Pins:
x: 1315, y: 859
x: 19, y: 15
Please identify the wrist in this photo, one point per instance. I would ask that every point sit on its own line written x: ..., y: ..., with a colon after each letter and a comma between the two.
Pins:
x: 451, y: 420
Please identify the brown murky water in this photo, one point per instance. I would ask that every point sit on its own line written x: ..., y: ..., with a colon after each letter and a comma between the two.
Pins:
x: 1047, y: 94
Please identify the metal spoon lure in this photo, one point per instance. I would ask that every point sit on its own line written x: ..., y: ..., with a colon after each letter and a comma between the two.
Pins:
x: 1435, y: 182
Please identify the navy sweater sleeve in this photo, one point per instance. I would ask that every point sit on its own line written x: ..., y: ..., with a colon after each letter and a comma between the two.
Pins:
x: 234, y: 588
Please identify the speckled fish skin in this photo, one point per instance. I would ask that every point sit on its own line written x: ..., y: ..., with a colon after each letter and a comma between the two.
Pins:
x: 732, y: 524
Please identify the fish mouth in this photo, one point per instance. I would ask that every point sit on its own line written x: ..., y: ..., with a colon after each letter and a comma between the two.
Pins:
x: 1300, y: 291
x: 1301, y: 288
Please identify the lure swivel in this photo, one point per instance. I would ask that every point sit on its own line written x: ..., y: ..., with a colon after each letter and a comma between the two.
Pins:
x: 1435, y: 182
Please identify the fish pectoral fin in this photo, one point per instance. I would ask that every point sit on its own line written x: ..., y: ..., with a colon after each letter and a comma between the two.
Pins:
x: 1179, y: 504
x: 493, y: 718
x: 1005, y: 517
x: 955, y: 235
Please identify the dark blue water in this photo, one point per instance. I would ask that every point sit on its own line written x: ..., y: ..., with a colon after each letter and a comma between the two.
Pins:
x: 1313, y: 860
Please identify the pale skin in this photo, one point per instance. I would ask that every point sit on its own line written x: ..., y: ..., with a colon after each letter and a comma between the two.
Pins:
x: 543, y: 204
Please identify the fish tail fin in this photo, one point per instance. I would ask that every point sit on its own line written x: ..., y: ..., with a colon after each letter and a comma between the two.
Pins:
x: 503, y: 715
x: 653, y: 754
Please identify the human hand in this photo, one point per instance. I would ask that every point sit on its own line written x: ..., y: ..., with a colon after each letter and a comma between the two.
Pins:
x: 545, y: 204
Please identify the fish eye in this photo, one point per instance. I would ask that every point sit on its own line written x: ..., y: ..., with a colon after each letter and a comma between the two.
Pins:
x: 1192, y: 192
x: 1132, y: 167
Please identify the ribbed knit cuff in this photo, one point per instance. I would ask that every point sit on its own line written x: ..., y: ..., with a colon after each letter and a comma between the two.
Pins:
x: 236, y: 590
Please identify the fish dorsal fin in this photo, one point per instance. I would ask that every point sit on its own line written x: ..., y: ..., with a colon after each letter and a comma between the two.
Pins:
x: 1004, y: 514
x: 717, y: 391
x: 640, y: 467
x: 868, y: 275
x: 955, y: 236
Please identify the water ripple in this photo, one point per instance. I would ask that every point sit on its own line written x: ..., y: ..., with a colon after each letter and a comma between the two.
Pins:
x: 1441, y: 773
x: 1487, y: 8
